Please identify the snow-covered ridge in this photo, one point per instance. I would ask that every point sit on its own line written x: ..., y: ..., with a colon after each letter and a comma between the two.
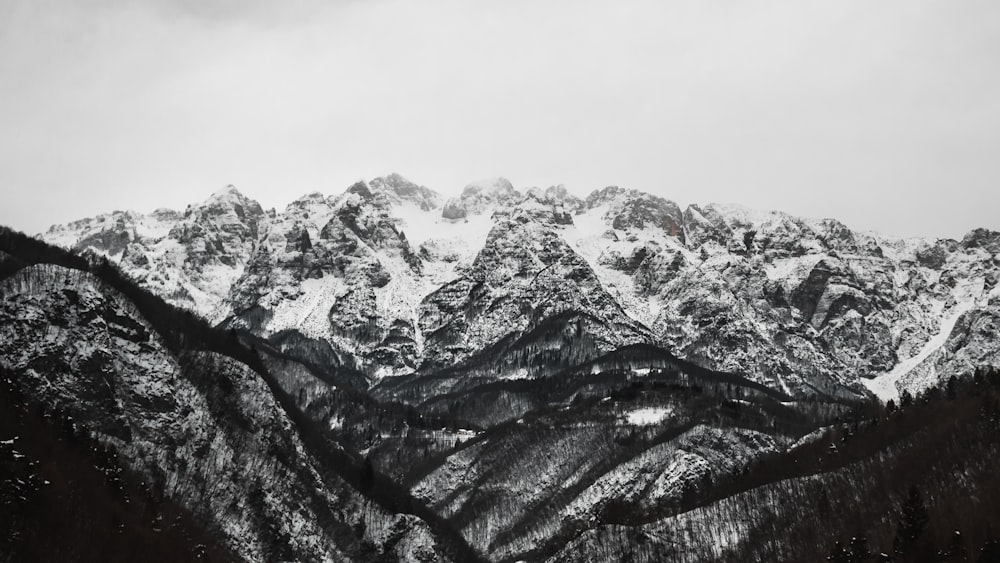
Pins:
x: 800, y: 304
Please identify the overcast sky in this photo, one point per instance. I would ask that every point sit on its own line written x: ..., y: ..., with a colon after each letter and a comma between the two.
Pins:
x: 883, y: 114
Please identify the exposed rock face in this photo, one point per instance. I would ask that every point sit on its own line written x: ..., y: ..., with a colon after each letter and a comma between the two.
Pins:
x: 523, y: 275
x: 392, y: 278
x: 809, y: 297
x: 328, y: 268
x: 398, y: 189
x: 453, y: 210
x: 190, y: 258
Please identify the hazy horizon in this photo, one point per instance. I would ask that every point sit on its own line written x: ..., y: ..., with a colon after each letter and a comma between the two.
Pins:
x: 884, y: 116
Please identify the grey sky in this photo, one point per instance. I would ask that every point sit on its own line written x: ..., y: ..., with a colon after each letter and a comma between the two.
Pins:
x: 884, y: 114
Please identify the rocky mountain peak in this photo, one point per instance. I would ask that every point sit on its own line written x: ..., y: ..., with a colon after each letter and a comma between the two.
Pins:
x: 634, y: 209
x: 306, y: 201
x: 227, y: 201
x: 229, y: 191
x: 361, y: 189
x: 482, y: 197
x: 536, y: 206
x: 648, y: 211
x: 604, y: 195
x: 982, y: 238
x: 558, y: 194
x: 227, y: 206
x: 494, y: 188
x: 165, y: 214
x: 399, y: 191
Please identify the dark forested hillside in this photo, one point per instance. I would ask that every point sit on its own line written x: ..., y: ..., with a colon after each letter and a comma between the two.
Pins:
x: 916, y: 483
x: 66, y: 497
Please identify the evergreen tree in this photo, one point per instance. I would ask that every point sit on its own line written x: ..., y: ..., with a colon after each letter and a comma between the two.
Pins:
x: 951, y: 388
x: 367, y: 480
x: 748, y: 240
x: 905, y: 399
x: 912, y: 522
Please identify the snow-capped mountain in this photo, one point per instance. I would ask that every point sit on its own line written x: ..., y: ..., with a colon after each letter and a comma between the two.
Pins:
x: 191, y: 258
x: 391, y: 278
x: 504, y: 376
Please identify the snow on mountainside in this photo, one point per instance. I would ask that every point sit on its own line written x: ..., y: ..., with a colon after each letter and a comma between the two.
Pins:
x: 390, y: 278
x: 191, y: 258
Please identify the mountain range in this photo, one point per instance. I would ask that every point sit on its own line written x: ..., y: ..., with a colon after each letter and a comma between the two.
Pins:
x: 509, y: 375
x: 392, y: 279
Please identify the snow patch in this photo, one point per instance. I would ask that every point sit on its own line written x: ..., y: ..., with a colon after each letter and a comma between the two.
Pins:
x: 785, y: 268
x: 885, y: 386
x: 587, y: 236
x: 648, y: 415
x: 308, y: 313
